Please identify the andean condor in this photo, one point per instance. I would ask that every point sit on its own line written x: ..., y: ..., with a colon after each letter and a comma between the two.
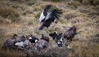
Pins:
x: 47, y: 19
x: 44, y: 13
x: 70, y: 33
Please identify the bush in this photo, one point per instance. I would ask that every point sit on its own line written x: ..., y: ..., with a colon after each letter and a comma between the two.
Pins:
x: 8, y: 12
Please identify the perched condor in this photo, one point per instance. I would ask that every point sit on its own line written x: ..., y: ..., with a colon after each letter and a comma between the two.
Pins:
x: 23, y: 44
x: 32, y: 39
x: 58, y: 38
x: 53, y: 35
x: 50, y: 17
x: 10, y: 41
x: 70, y: 33
x: 45, y: 38
x: 44, y: 13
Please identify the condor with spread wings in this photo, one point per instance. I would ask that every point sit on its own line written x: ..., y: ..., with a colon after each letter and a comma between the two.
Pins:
x: 44, y: 13
x: 50, y: 17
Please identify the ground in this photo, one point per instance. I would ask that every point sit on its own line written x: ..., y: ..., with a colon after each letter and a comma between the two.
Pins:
x: 23, y: 19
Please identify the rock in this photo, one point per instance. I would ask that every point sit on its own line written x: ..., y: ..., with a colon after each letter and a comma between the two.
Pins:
x: 42, y: 44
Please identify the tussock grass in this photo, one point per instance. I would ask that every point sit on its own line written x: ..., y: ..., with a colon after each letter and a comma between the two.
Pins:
x: 37, y: 15
x: 85, y: 18
x: 8, y: 12
x: 74, y: 4
x: 54, y: 52
x: 12, y: 53
x: 53, y: 0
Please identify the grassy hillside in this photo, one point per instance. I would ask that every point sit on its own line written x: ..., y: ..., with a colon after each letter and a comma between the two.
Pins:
x: 21, y: 17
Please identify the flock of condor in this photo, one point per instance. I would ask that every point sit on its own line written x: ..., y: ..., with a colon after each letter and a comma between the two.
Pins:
x: 25, y: 42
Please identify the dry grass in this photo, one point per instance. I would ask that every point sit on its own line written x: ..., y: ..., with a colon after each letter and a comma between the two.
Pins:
x: 8, y: 12
x: 12, y: 53
x: 85, y: 18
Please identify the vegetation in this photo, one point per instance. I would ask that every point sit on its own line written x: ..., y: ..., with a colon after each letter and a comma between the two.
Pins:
x: 8, y: 12
x: 79, y: 1
x: 84, y: 17
x: 53, y: 0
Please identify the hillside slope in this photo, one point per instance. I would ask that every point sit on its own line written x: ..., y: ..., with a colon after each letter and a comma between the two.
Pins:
x: 22, y: 19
